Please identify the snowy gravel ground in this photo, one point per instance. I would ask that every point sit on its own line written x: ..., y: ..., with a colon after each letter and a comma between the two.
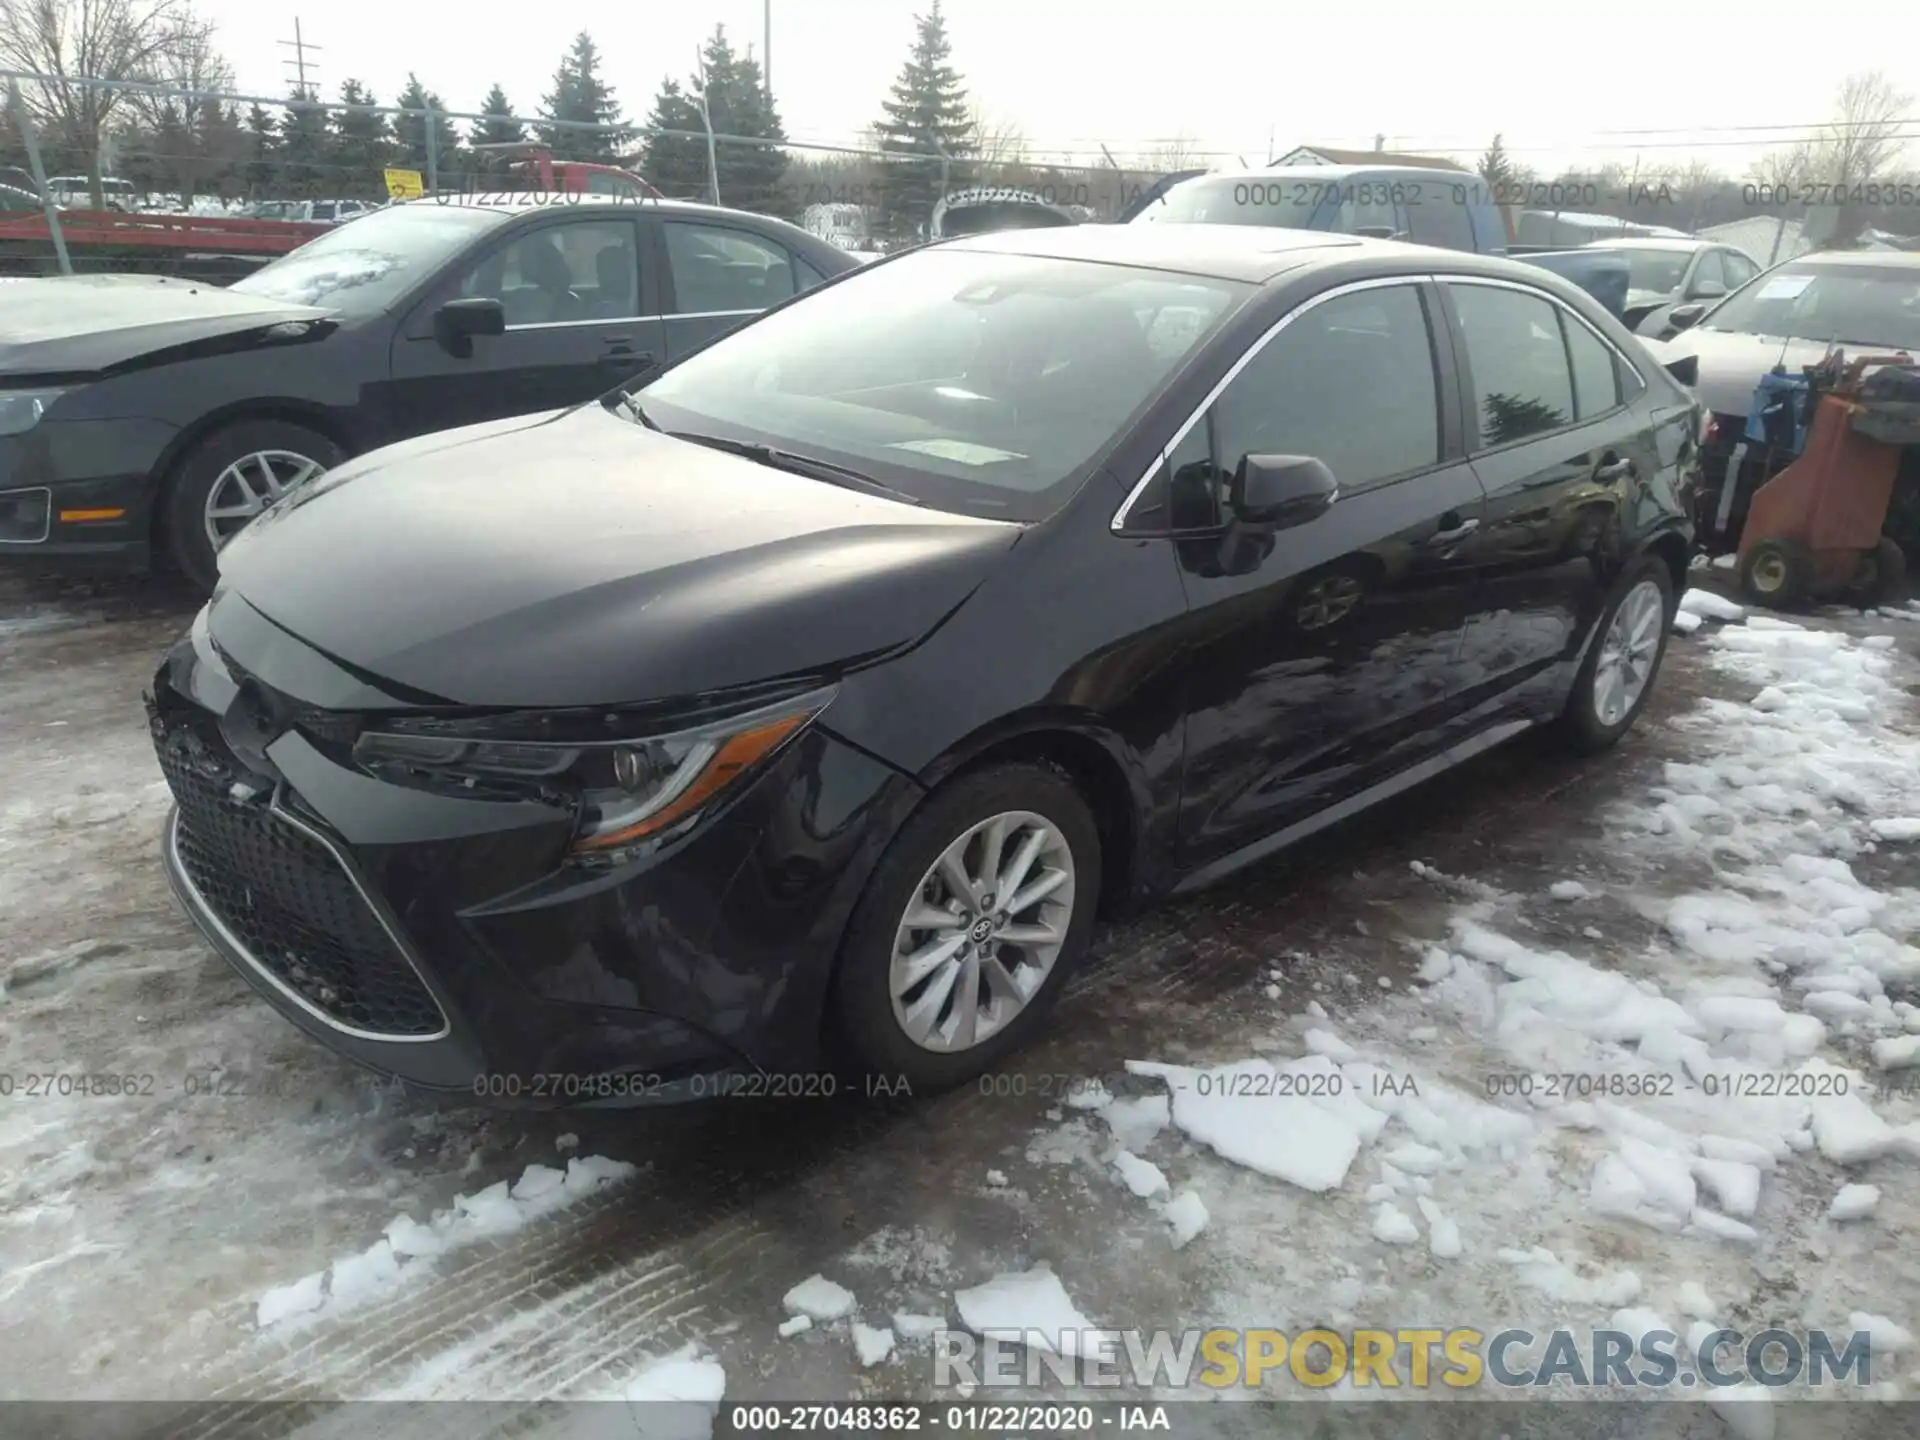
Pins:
x: 1730, y: 898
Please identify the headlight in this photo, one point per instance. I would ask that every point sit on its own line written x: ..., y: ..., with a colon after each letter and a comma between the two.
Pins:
x: 629, y: 793
x: 20, y: 410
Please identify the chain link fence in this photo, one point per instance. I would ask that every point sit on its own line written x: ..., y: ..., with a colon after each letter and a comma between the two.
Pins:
x: 213, y: 183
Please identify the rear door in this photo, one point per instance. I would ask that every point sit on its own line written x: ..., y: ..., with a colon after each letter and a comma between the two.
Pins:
x: 1320, y: 657
x: 582, y: 317
x: 719, y: 273
x: 1564, y: 459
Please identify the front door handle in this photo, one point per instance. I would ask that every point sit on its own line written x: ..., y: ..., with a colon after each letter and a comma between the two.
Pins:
x: 627, y: 359
x: 1458, y: 531
x: 1615, y: 470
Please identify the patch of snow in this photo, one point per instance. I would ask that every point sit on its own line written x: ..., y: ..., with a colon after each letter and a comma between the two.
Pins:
x: 1187, y: 1214
x: 1885, y: 1336
x: 909, y: 1326
x: 1694, y: 1301
x: 996, y: 1178
x: 1030, y: 1307
x: 1393, y: 1226
x: 1854, y: 1202
x: 1711, y: 606
x: 871, y: 1344
x: 1568, y: 890
x: 1685, y: 622
x: 795, y: 1325
x: 1142, y: 1177
x: 1091, y: 1096
x: 1137, y: 1119
x: 1246, y: 1113
x: 819, y: 1299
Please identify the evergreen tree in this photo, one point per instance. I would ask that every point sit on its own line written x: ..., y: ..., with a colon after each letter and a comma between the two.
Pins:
x: 1496, y: 167
x: 303, y: 147
x: 361, y: 144
x: 676, y: 165
x: 498, y: 128
x: 734, y: 92
x: 410, y: 132
x: 263, y: 152
x: 223, y: 145
x: 579, y: 95
x: 927, y: 113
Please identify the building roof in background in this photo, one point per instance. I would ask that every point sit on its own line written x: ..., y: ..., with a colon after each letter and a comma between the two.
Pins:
x: 1321, y: 155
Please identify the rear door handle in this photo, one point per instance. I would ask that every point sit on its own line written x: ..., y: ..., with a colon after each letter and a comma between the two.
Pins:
x: 627, y: 359
x: 1456, y: 532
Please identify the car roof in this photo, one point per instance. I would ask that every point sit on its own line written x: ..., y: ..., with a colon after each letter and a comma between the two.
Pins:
x: 1330, y: 174
x: 1879, y: 259
x: 1655, y: 242
x: 509, y: 203
x: 1250, y: 253
x: 1253, y: 254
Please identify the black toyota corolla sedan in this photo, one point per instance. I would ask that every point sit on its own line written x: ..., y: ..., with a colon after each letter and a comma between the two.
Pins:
x: 825, y: 686
x: 146, y: 418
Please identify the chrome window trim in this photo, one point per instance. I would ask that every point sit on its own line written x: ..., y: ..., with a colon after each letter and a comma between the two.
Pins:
x: 1557, y: 303
x: 209, y: 916
x: 577, y: 324
x: 712, y: 314
x: 46, y: 528
x: 1119, y: 521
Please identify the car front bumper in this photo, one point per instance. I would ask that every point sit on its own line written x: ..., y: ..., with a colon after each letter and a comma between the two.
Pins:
x: 96, y: 480
x: 447, y: 942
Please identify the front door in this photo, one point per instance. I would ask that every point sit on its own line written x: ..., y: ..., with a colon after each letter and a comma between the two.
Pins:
x: 1320, y: 657
x: 580, y: 315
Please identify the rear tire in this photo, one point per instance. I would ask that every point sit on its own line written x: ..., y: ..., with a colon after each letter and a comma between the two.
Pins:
x: 1883, y: 575
x: 1623, y: 660
x: 1777, y: 574
x: 249, y: 458
x: 909, y: 1020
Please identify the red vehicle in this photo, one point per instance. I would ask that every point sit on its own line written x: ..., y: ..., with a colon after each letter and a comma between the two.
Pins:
x: 214, y: 248
x: 534, y: 168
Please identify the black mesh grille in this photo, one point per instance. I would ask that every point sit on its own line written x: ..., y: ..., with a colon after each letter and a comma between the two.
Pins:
x: 282, y: 894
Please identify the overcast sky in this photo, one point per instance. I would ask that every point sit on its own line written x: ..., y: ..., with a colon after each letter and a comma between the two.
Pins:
x: 1563, y: 79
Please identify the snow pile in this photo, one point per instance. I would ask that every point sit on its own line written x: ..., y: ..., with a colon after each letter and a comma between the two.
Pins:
x: 819, y: 1298
x: 410, y: 1247
x: 1027, y: 1307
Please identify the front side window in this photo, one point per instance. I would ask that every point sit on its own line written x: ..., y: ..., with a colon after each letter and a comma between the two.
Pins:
x: 717, y: 269
x: 977, y: 382
x: 1350, y: 382
x: 581, y: 271
x: 1522, y: 380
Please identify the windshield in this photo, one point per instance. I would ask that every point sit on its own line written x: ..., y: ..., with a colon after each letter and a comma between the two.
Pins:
x: 981, y: 383
x: 1877, y: 305
x: 364, y: 268
x: 1656, y: 270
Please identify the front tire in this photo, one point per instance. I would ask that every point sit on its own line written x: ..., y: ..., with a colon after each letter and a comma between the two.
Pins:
x: 228, y: 479
x: 1777, y: 574
x: 969, y: 927
x: 1617, y: 676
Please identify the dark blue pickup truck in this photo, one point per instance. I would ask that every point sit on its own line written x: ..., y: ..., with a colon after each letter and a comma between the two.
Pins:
x: 1453, y: 209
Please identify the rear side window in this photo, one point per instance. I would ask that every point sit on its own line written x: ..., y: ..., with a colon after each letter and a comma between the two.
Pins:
x: 1440, y: 219
x: 720, y: 269
x: 1522, y: 378
x: 1596, y: 383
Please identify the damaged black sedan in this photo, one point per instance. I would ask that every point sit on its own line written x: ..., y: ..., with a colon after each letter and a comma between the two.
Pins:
x: 825, y: 686
x: 149, y: 419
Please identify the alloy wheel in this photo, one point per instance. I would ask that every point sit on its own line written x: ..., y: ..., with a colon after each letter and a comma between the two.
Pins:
x: 1328, y: 601
x: 242, y: 492
x: 982, y: 932
x: 1628, y: 652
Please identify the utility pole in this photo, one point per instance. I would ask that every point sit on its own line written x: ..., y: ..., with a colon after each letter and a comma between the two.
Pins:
x: 300, y: 48
x: 766, y: 46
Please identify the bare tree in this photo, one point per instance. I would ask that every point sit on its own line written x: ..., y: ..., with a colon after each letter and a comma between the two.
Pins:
x: 999, y: 144
x: 1165, y: 157
x: 68, y: 41
x: 1860, y: 145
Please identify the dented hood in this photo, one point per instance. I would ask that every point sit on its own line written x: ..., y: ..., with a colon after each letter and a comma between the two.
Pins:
x: 85, y: 324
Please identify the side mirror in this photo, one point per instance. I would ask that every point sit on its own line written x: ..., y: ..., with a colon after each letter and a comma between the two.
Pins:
x: 458, y: 321
x: 1681, y: 316
x: 1276, y: 492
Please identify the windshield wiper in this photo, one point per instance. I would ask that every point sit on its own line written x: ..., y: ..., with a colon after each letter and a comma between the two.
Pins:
x: 806, y: 465
x: 632, y: 406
